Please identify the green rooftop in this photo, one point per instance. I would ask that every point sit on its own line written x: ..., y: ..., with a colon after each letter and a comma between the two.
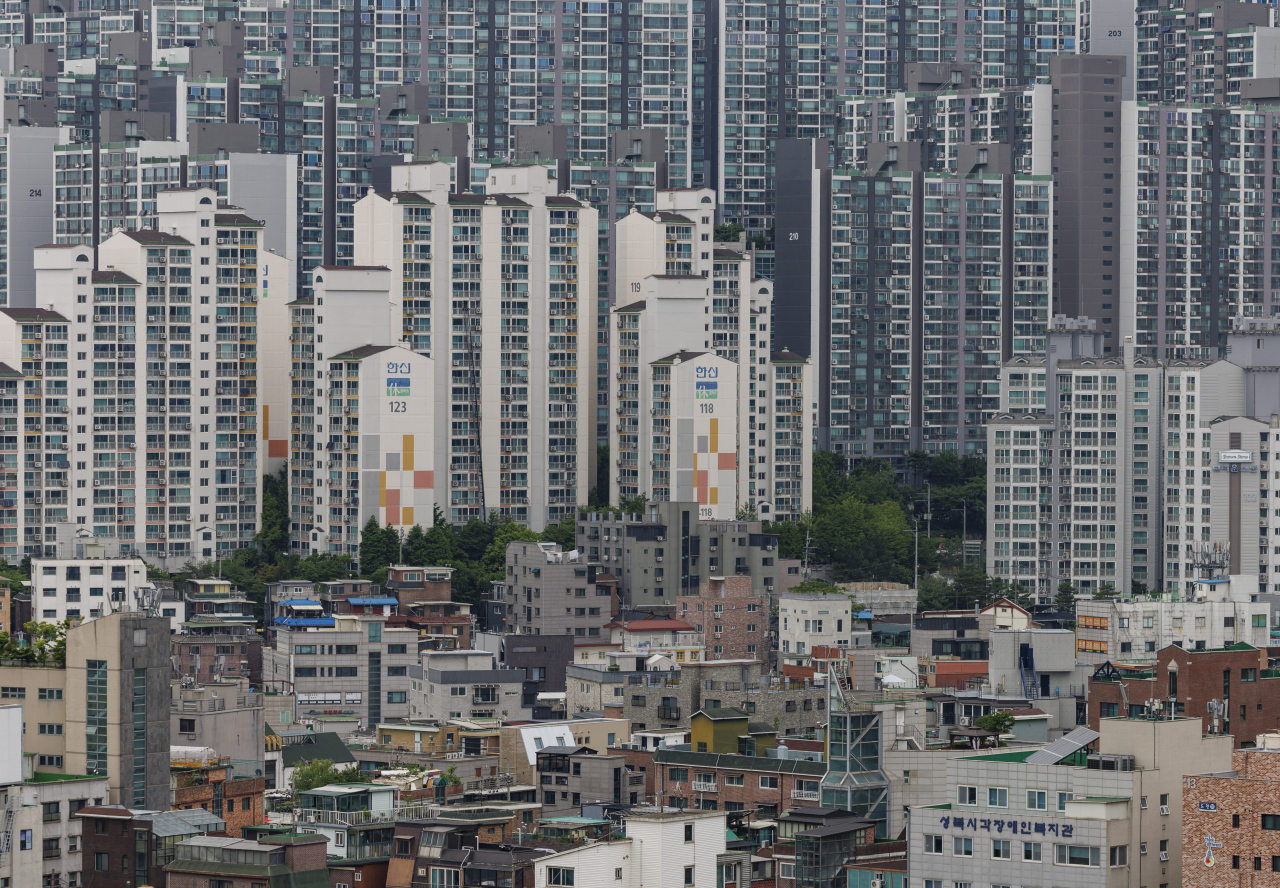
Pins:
x: 48, y: 777
x: 1020, y: 755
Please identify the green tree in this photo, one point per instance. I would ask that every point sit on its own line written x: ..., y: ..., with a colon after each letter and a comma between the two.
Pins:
x: 746, y: 512
x: 495, y: 557
x: 565, y: 533
x: 973, y: 587
x: 934, y: 594
x: 816, y: 587
x: 273, y: 538
x: 322, y: 772
x: 1065, y: 600
x: 1138, y: 587
x: 323, y: 567
x: 999, y: 722
x: 415, y: 545
x: 727, y: 233
x: 374, y: 552
x: 1106, y: 592
x: 633, y: 505
x: 790, y: 538
x: 474, y: 539
x: 441, y: 547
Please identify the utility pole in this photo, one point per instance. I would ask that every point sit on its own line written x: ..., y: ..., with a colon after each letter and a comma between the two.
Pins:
x: 928, y: 509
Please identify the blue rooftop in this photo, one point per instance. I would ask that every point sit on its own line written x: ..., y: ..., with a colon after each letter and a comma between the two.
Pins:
x: 306, y: 621
x: 372, y: 601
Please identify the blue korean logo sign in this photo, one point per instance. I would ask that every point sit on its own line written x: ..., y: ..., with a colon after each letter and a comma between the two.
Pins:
x: 398, y: 385
x: 705, y: 386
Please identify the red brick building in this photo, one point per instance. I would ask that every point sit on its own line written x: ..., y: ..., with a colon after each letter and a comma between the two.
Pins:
x: 733, y: 615
x: 1240, y: 814
x: 1237, y: 674
x: 109, y: 828
x: 720, y: 782
x: 237, y: 801
x: 289, y: 859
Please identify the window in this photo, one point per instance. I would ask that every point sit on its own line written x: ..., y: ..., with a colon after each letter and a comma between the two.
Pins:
x: 1109, y: 710
x: 933, y: 844
x: 101, y: 863
x: 617, y: 873
x: 397, y: 696
x: 51, y: 693
x: 966, y: 795
x: 688, y: 875
x: 1119, y: 855
x: 769, y: 782
x: 1000, y: 849
x: 733, y: 780
x: 1270, y: 821
x: 397, y: 670
x: 1078, y: 855
x: 186, y: 726
x: 1064, y: 797
x: 997, y: 797
x: 50, y: 730
x: 688, y: 832
x: 7, y: 693
x: 1031, y: 852
x: 961, y: 847
x: 678, y: 775
x: 397, y: 648
x: 1036, y: 799
x: 51, y: 761
x: 1247, y: 675
x: 559, y: 875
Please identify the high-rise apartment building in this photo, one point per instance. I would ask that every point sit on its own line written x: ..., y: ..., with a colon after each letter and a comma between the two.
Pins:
x: 1074, y: 477
x: 489, y: 286
x: 698, y: 418
x: 908, y: 289
x: 149, y: 436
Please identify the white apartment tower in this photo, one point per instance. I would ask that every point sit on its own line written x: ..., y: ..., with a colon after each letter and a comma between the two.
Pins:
x: 141, y: 408
x: 690, y: 309
x: 1074, y: 490
x: 489, y: 287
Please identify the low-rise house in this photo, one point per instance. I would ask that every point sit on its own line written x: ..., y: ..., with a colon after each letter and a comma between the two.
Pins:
x: 228, y: 717
x: 150, y: 836
x: 59, y: 797
x: 651, y: 635
x: 568, y: 776
x: 466, y: 684
x: 210, y: 649
x: 287, y: 749
x: 357, y: 819
x: 1231, y: 690
x: 208, y: 783
x: 663, y: 846
x: 297, y: 860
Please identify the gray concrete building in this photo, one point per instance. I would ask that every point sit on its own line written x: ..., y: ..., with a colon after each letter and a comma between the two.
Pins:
x: 466, y: 684
x: 1108, y: 814
x: 352, y: 665
x: 548, y: 591
x: 569, y: 776
x: 1041, y: 665
x: 228, y: 718
x: 667, y: 552
x: 653, y: 700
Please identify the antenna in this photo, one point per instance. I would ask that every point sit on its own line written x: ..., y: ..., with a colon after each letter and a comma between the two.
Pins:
x: 1211, y: 559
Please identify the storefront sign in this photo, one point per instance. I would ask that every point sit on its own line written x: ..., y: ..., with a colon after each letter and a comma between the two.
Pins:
x: 1015, y: 827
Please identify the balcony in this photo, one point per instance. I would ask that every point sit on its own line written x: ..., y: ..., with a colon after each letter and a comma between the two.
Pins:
x: 669, y: 713
x: 705, y: 787
x: 806, y: 795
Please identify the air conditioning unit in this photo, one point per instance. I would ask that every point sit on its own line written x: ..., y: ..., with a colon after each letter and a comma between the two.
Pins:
x: 965, y: 721
x: 1164, y: 810
x: 1164, y: 855
x: 875, y: 883
x: 97, y: 483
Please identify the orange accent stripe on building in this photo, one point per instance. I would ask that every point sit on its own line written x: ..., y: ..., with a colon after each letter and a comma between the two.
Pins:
x: 406, y: 453
x: 266, y: 420
x: 715, y: 436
